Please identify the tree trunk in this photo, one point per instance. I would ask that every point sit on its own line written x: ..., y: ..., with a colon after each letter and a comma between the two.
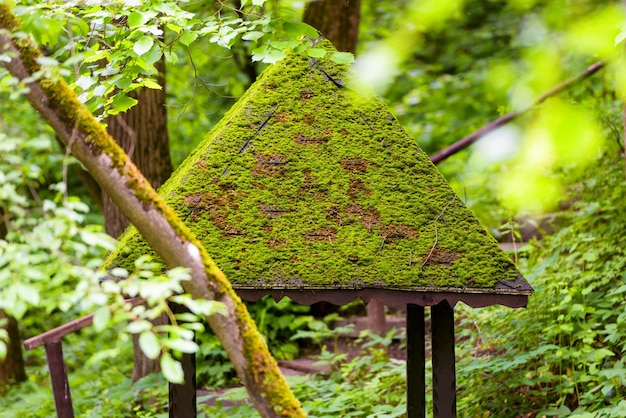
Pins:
x: 337, y: 21
x: 142, y: 134
x: 12, y: 367
x: 160, y: 226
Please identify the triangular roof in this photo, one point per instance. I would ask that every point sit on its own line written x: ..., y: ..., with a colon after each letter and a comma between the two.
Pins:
x: 306, y: 185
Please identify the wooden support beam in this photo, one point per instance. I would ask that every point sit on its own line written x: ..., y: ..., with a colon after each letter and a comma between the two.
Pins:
x: 444, y: 376
x: 182, y: 398
x: 58, y: 378
x: 415, y: 362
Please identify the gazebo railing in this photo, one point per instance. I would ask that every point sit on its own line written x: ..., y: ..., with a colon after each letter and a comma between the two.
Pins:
x: 182, y: 398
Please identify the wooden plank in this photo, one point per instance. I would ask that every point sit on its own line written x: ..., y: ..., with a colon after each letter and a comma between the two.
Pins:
x: 55, y: 334
x: 58, y: 378
x: 444, y: 376
x: 415, y: 362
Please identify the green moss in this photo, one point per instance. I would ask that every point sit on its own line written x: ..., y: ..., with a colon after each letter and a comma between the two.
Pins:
x: 8, y: 20
x: 308, y: 184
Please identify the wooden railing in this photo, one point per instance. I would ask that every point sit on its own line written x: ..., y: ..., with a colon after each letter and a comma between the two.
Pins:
x: 182, y: 398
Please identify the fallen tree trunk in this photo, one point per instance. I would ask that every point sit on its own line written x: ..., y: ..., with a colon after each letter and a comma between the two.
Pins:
x: 117, y: 175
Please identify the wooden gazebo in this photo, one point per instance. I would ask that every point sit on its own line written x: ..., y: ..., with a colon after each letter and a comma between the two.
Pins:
x: 312, y: 190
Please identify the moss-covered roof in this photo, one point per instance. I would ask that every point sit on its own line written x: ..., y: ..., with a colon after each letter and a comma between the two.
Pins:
x: 306, y: 184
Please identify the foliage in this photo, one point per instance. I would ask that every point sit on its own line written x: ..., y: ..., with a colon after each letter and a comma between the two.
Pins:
x: 371, y: 384
x: 48, y: 251
x: 99, y: 384
x: 564, y: 354
x: 109, y: 49
x: 49, y: 260
x: 278, y: 322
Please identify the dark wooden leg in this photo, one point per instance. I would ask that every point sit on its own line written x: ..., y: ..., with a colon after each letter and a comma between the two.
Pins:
x: 58, y: 378
x: 415, y: 362
x: 444, y: 379
x: 182, y: 398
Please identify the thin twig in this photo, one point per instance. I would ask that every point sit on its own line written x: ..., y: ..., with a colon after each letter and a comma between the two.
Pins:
x: 470, y: 139
x: 382, y: 243
x: 436, y: 233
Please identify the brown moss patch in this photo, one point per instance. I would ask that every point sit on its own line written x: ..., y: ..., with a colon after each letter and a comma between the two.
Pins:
x: 309, y: 119
x: 355, y: 187
x: 215, y: 208
x: 307, y: 140
x: 201, y: 165
x: 276, y: 243
x: 399, y: 231
x: 270, y: 164
x: 441, y: 256
x: 272, y: 211
x: 369, y: 217
x: 334, y: 215
x: 354, y: 165
x: 321, y: 234
x: 270, y: 86
x: 306, y: 94
x: 282, y: 117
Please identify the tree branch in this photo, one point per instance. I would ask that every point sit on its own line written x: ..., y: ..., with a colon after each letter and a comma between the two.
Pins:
x: 167, y: 234
x: 503, y: 120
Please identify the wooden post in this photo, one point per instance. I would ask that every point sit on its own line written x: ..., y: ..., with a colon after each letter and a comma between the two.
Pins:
x: 58, y: 378
x: 182, y: 398
x: 415, y: 362
x: 376, y: 321
x: 444, y: 378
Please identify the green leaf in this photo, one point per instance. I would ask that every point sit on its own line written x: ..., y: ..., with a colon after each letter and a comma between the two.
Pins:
x: 149, y: 344
x: 101, y: 318
x: 123, y: 83
x: 85, y: 81
x: 172, y: 369
x: 342, y: 57
x: 178, y: 344
x: 258, y: 2
x: 316, y: 52
x: 188, y: 37
x: 135, y: 19
x: 300, y: 28
x: 151, y: 84
x: 143, y: 45
x: 186, y: 317
x: 121, y: 103
x: 136, y: 327
x: 252, y: 36
x: 27, y: 293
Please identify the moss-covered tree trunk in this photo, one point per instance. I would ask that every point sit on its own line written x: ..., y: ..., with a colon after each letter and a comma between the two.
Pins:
x: 337, y: 21
x: 142, y: 134
x: 12, y: 367
x: 167, y: 234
